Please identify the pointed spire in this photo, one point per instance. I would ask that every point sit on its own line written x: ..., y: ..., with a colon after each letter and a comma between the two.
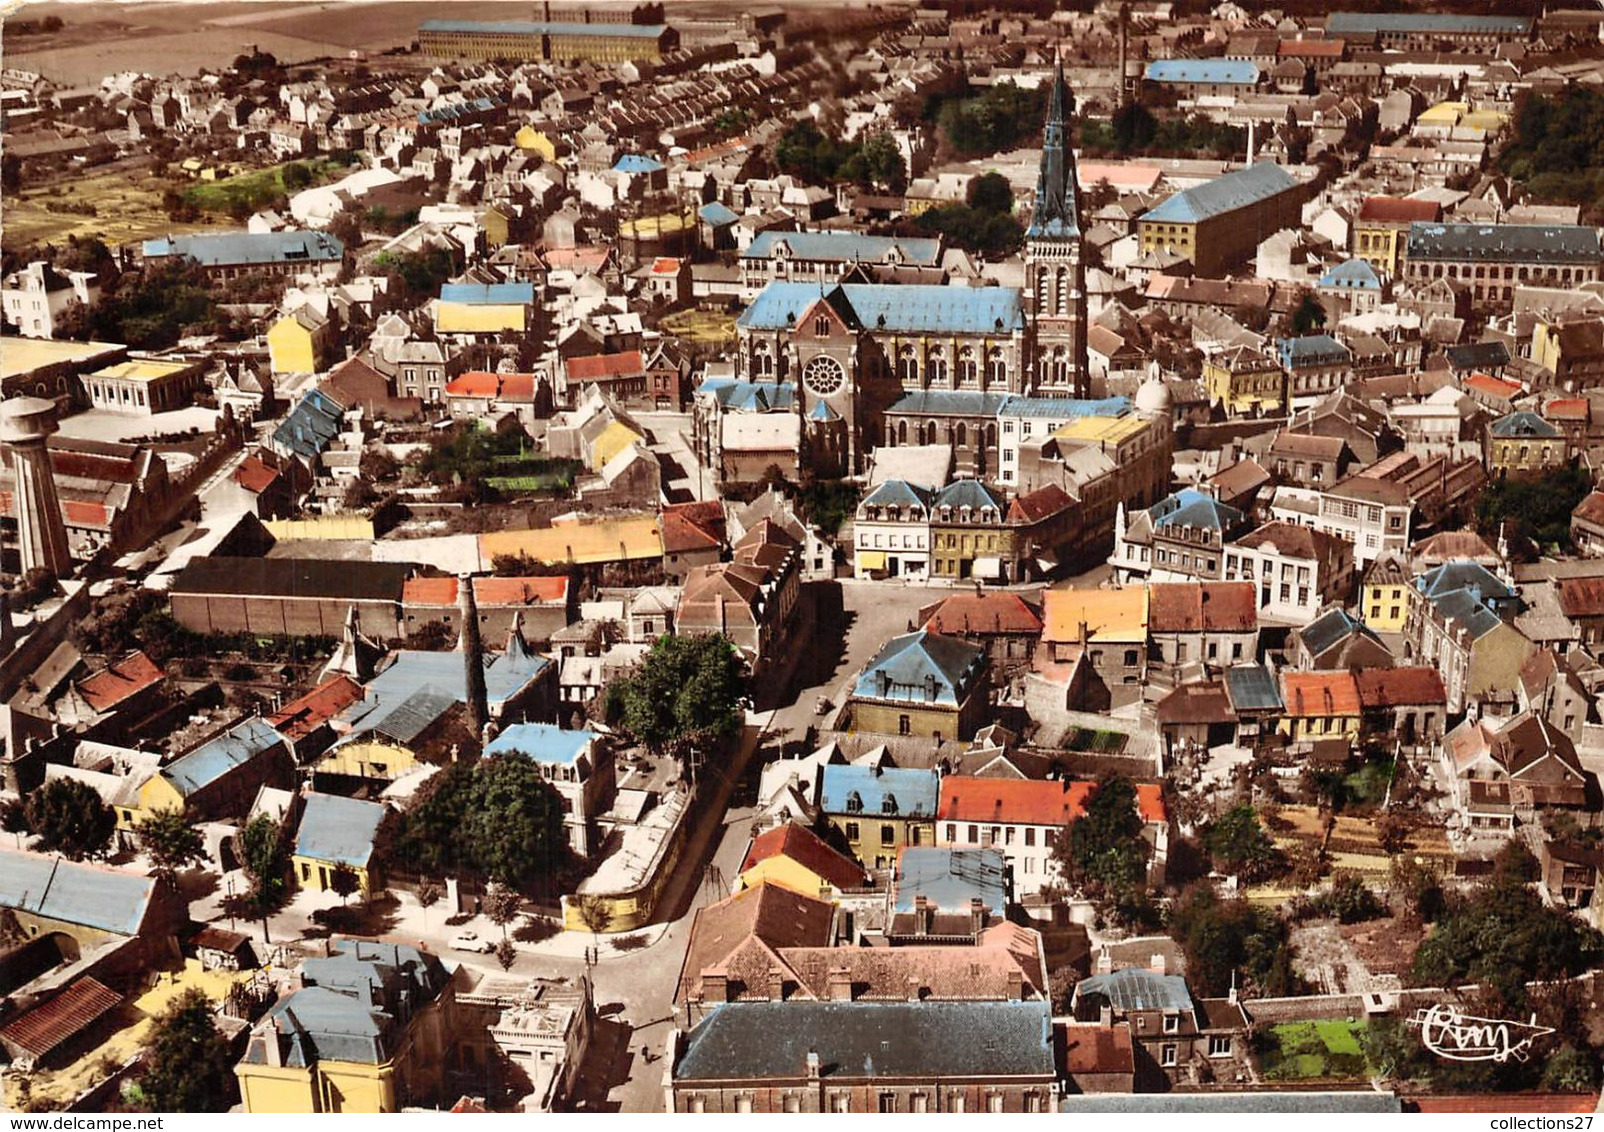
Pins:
x: 1056, y: 209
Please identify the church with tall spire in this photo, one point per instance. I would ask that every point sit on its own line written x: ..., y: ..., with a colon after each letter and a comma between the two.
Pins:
x: 1055, y: 272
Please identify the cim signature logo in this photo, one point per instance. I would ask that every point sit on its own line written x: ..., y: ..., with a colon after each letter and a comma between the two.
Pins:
x: 1464, y: 1037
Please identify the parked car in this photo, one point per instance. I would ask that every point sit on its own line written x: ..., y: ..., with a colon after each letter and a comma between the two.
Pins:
x: 470, y: 941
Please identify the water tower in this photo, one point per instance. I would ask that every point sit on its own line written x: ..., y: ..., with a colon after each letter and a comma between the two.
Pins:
x: 25, y: 425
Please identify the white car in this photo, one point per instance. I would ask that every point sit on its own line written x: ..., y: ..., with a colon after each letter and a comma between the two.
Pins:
x: 470, y: 941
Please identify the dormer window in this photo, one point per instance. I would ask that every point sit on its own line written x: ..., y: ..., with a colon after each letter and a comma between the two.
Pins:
x: 889, y: 805
x: 854, y: 803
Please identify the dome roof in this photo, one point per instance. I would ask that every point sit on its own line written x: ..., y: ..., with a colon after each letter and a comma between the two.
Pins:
x: 1153, y: 396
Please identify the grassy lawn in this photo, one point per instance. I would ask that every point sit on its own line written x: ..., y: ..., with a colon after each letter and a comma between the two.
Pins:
x: 128, y: 206
x: 256, y: 187
x: 1300, y: 1051
x: 1103, y: 742
x: 714, y: 328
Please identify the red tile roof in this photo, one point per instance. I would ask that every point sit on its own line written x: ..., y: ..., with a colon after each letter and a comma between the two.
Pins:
x: 305, y: 714
x: 1392, y: 687
x: 474, y: 383
x: 755, y: 920
x: 1031, y: 801
x: 119, y: 680
x: 1315, y: 694
x: 535, y: 589
x: 665, y: 265
x: 1591, y: 509
x: 682, y: 534
x: 1399, y: 210
x: 429, y: 591
x: 807, y: 849
x: 1091, y: 1047
x: 992, y: 612
x: 1566, y: 409
x: 45, y: 1027
x: 1203, y: 702
x: 1183, y: 607
x: 599, y: 367
x: 1581, y: 597
x: 255, y: 475
x: 1312, y: 49
x: 1039, y: 504
x: 1493, y: 386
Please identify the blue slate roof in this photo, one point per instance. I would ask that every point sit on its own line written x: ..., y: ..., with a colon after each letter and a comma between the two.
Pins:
x: 718, y: 214
x: 543, y: 27
x: 338, y: 830
x: 212, y: 760
x: 866, y: 1040
x: 1251, y: 687
x: 108, y: 899
x: 1369, y: 23
x: 1137, y: 988
x: 542, y: 742
x: 311, y: 426
x: 968, y: 493
x: 456, y: 110
x: 922, y: 668
x: 1063, y: 408
x: 1190, y: 508
x: 1464, y: 574
x: 1224, y: 194
x: 420, y: 686
x: 852, y: 788
x: 486, y: 294
x: 909, y: 308
x: 1311, y: 350
x: 1477, y: 355
x: 1236, y: 72
x: 1352, y: 274
x: 1467, y: 611
x: 949, y: 402
x: 355, y: 1004
x: 1524, y: 425
x: 951, y: 879
x: 1332, y: 628
x: 750, y: 396
x: 822, y: 412
x: 846, y: 247
x: 899, y: 493
x: 232, y: 249
x: 638, y: 163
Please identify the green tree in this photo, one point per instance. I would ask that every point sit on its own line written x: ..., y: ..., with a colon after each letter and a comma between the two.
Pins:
x: 1351, y: 901
x: 991, y: 193
x: 171, y: 842
x: 496, y: 818
x: 1231, y: 939
x: 1239, y: 846
x: 687, y: 692
x: 190, y: 1069
x: 429, y: 893
x: 506, y: 953
x: 264, y: 854
x: 1570, y: 1070
x: 1308, y: 316
x: 1134, y: 127
x: 1533, y: 510
x: 501, y: 905
x: 1504, y: 937
x: 295, y: 176
x: 68, y: 817
x: 344, y: 881
x: 1104, y: 850
x: 999, y: 119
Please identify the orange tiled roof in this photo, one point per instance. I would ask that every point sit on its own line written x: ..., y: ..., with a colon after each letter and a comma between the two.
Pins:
x: 255, y: 475
x: 595, y: 367
x: 805, y: 847
x: 1030, y: 801
x: 119, y: 680
x: 305, y: 714
x: 983, y: 613
x: 1315, y: 694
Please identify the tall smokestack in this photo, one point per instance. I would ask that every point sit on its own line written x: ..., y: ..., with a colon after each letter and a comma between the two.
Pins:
x: 1124, y: 48
x: 473, y: 657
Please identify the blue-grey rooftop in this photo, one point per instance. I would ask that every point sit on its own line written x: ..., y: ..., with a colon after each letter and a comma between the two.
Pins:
x: 951, y: 880
x: 95, y: 897
x: 1331, y: 628
x: 338, y: 830
x: 949, y: 402
x: 488, y: 294
x: 1311, y: 350
x: 1192, y: 508
x: 1523, y: 424
x: 850, y: 788
x: 1352, y: 274
x: 1137, y: 988
x: 1254, y: 1101
x: 908, y: 308
x: 1251, y: 687
x: 1543, y: 244
x: 750, y: 396
x: 217, y: 757
x: 923, y: 668
x: 311, y: 426
x: 1063, y: 408
x: 1224, y: 194
x: 542, y: 742
x: 848, y: 247
x: 1221, y: 72
x: 242, y: 249
x: 869, y: 1041
x: 638, y: 163
x: 898, y: 493
x: 1370, y: 23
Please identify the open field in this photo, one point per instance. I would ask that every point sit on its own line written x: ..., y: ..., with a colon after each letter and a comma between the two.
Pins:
x: 128, y: 206
x: 711, y: 327
x: 256, y: 186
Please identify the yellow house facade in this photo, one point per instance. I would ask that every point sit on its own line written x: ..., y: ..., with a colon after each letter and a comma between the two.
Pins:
x: 336, y: 831
x: 532, y: 140
x: 1384, y: 596
x: 299, y: 343
x: 480, y: 318
x: 1319, y: 705
x: 1245, y: 384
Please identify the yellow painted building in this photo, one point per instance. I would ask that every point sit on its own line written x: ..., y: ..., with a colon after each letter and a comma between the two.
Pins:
x: 612, y: 440
x: 369, y: 1031
x: 337, y: 527
x: 628, y: 539
x: 1245, y: 383
x: 142, y: 386
x: 300, y: 342
x: 372, y: 760
x: 1319, y: 705
x: 880, y: 810
x: 336, y: 831
x: 1524, y: 442
x: 532, y: 140
x: 1384, y: 596
x: 480, y: 318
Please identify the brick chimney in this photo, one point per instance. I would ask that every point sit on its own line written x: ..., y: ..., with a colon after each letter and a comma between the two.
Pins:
x: 1016, y: 984
x: 840, y: 985
x: 977, y: 915
x: 776, y: 984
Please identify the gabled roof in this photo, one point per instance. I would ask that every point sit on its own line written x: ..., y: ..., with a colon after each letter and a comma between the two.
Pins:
x: 1226, y: 193
x: 1198, y: 702
x: 122, y: 678
x: 305, y: 714
x: 769, y: 915
x: 1192, y: 508
x: 1138, y: 989
x: 229, y: 751
x: 1399, y: 210
x: 990, y: 611
x: 93, y: 896
x: 1504, y: 243
x: 899, y: 493
x: 1331, y: 628
x: 1251, y: 687
x: 1191, y: 607
x: 1234, y: 72
x: 1522, y: 425
x: 1316, y: 694
x: 1391, y: 687
x: 807, y: 849
x: 951, y: 878
x: 246, y: 248
x: 846, y: 247
x: 38, y: 1031
x: 542, y: 742
x: 1028, y: 801
x: 338, y: 830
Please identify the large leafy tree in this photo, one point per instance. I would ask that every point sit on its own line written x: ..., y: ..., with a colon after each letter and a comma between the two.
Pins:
x: 1104, y: 850
x: 69, y: 818
x: 190, y: 1068
x: 171, y: 842
x: 1503, y: 937
x: 265, y: 855
x: 687, y: 692
x: 1226, y: 940
x: 1239, y: 846
x: 498, y: 818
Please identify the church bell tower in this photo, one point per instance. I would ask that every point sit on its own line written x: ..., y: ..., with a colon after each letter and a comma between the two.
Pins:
x: 1055, y: 274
